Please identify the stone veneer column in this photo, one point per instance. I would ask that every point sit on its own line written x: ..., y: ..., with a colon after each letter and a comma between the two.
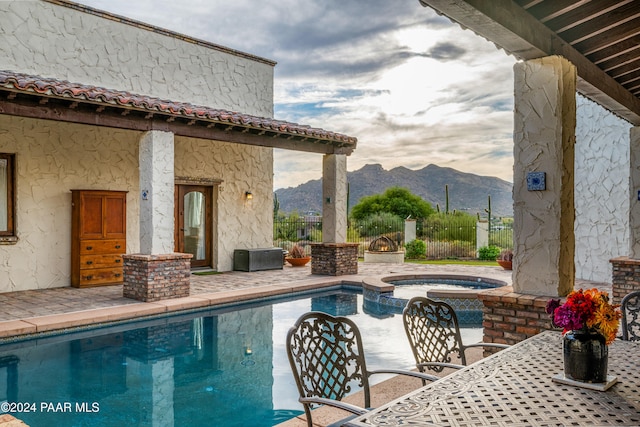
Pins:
x: 157, y: 272
x: 334, y: 198
x: 544, y: 139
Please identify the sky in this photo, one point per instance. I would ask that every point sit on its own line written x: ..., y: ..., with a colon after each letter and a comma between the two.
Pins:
x: 413, y: 87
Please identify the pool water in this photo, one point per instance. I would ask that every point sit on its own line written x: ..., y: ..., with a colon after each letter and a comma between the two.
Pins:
x: 223, y: 368
x: 411, y: 287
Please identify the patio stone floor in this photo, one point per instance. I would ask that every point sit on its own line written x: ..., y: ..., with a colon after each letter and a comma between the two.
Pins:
x: 21, y: 305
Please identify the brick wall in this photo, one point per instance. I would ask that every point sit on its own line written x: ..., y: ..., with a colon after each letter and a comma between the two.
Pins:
x: 510, y: 317
x: 626, y: 277
x: 334, y: 259
x: 156, y: 277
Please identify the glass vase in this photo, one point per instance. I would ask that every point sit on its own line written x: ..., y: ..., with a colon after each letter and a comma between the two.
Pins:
x: 585, y: 356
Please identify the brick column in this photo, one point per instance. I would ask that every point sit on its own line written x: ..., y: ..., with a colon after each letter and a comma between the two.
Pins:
x: 334, y: 259
x: 510, y: 317
x: 156, y: 277
x: 626, y: 277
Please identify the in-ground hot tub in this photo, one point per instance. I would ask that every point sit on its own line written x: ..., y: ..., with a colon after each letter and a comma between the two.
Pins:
x: 384, y: 296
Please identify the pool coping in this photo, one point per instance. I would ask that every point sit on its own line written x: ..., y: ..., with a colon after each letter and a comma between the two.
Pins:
x: 381, y: 284
x: 104, y: 316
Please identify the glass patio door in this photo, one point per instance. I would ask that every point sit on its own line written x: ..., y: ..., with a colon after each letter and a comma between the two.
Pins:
x: 194, y: 223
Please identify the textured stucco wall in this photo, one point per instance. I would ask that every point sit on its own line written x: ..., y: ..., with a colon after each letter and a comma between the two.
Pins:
x: 53, y: 158
x: 54, y: 41
x: 601, y: 190
x: 544, y: 137
x: 157, y: 222
x: 334, y: 198
x: 240, y: 223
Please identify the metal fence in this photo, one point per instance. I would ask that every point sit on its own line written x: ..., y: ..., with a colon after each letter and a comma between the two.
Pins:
x: 445, y: 238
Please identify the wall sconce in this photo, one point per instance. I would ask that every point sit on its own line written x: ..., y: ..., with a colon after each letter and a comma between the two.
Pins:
x: 248, y: 195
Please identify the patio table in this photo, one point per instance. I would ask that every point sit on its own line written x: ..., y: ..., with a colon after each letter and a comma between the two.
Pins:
x: 514, y: 388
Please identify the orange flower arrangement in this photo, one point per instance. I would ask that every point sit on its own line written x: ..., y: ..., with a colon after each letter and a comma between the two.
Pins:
x: 590, y: 310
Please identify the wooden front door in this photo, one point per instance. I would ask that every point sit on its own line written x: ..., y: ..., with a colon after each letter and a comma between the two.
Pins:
x: 194, y: 223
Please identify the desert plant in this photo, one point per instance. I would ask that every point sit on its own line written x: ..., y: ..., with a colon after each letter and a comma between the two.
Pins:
x: 415, y: 249
x: 297, y: 251
x: 506, y: 255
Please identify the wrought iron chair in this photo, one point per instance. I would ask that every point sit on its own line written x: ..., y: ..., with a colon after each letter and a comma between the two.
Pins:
x: 433, y: 332
x: 630, y: 307
x: 327, y: 360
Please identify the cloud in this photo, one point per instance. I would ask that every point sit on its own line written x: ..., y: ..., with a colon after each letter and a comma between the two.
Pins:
x: 413, y: 87
x: 446, y: 51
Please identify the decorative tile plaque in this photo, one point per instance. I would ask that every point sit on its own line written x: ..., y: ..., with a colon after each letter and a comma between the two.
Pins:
x: 536, y: 181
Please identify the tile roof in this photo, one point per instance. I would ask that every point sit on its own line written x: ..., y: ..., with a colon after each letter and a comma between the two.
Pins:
x: 62, y: 89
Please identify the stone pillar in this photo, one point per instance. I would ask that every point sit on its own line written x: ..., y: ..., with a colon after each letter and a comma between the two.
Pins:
x: 156, y: 157
x: 544, y: 241
x: 409, y: 230
x: 634, y: 193
x: 544, y: 139
x: 482, y: 234
x: 334, y: 256
x: 334, y: 198
x: 156, y: 273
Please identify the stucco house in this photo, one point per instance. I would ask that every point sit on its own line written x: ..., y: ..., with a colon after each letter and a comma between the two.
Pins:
x: 184, y: 127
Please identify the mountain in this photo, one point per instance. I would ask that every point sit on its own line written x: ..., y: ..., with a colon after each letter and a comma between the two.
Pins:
x: 467, y: 192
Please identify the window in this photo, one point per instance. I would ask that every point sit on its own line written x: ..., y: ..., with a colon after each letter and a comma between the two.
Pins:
x: 7, y: 195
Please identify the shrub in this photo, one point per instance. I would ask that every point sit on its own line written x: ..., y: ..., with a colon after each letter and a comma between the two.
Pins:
x: 415, y: 249
x: 488, y: 253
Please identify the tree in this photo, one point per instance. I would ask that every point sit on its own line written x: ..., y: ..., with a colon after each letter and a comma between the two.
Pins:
x: 395, y: 200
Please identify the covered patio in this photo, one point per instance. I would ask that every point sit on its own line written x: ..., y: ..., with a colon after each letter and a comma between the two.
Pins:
x: 574, y: 217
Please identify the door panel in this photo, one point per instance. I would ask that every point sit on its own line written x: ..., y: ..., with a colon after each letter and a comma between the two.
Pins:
x: 193, y: 229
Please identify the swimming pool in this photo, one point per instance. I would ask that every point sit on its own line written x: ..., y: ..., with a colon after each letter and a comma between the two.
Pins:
x: 224, y: 367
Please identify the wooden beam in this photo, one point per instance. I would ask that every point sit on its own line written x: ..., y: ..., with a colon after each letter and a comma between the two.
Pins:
x: 519, y: 33
x: 58, y: 110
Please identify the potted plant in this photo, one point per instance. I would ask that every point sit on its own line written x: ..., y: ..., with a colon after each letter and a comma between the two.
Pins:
x: 505, y: 259
x: 589, y: 323
x: 297, y: 256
